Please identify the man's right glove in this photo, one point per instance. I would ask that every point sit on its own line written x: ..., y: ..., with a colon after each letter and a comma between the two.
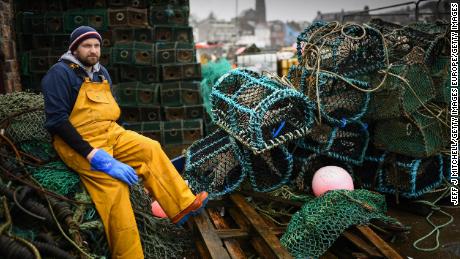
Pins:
x: 102, y: 161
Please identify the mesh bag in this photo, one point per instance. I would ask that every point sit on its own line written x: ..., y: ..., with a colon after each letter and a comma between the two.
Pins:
x: 347, y: 143
x: 261, y: 113
x: 335, y: 63
x: 418, y: 135
x: 320, y: 221
x: 409, y: 88
x: 215, y: 164
x: 269, y: 170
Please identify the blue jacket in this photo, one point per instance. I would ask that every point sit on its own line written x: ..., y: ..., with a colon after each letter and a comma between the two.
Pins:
x: 60, y: 88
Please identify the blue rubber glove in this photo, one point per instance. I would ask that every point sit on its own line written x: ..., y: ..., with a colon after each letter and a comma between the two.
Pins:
x: 102, y: 161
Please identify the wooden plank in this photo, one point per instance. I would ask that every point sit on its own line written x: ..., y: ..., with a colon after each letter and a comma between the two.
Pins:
x: 328, y: 255
x: 361, y: 244
x: 232, y: 233
x: 360, y: 256
x: 381, y: 245
x: 232, y: 245
x: 203, y: 252
x: 260, y: 227
x: 256, y: 242
x: 210, y: 238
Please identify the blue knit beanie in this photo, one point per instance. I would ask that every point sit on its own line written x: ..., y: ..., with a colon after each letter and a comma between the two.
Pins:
x: 82, y: 33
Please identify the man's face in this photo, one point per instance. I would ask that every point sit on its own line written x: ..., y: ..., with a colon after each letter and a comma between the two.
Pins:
x: 88, y: 52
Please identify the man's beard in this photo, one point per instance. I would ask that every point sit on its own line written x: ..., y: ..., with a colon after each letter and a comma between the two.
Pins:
x: 88, y: 63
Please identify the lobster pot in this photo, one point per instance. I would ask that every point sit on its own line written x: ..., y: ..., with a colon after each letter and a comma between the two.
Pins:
x: 398, y: 174
x: 215, y: 164
x: 437, y: 59
x: 348, y: 50
x: 260, y: 112
x: 137, y: 94
x: 401, y: 40
x: 269, y: 170
x: 335, y: 96
x: 406, y: 89
x: 365, y: 175
x: 419, y: 135
x: 411, y: 177
x: 347, y: 143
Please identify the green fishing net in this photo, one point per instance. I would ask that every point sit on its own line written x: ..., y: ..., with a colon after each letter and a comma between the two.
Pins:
x: 13, y: 103
x: 211, y: 72
x: 320, y: 221
x: 57, y: 177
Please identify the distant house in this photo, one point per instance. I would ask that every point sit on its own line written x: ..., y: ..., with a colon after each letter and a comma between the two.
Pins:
x: 429, y: 11
x: 214, y: 30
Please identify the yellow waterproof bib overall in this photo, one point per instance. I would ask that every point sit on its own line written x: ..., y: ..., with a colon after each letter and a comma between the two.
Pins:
x: 94, y: 116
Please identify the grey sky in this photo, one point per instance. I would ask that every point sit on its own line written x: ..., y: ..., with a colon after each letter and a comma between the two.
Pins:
x: 285, y: 10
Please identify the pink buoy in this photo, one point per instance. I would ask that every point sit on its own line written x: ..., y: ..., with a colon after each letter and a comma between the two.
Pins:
x: 331, y: 178
x: 157, y: 211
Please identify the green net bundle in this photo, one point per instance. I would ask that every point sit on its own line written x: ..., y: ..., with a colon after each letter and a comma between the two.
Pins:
x: 259, y: 112
x: 57, y: 177
x: 320, y: 221
x: 23, y: 116
x: 211, y: 72
x: 17, y: 102
x: 400, y: 40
